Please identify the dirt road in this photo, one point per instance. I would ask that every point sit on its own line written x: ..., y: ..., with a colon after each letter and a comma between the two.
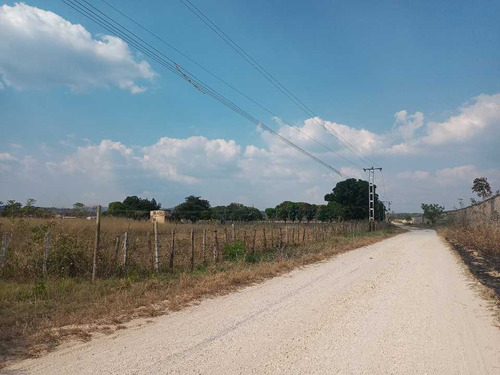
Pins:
x: 402, y: 306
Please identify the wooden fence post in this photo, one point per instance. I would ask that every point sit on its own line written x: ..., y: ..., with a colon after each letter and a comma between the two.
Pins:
x: 293, y: 235
x: 304, y: 236
x: 272, y: 238
x: 46, y: 253
x: 204, y: 246
x: 245, y: 237
x: 96, y: 243
x: 226, y: 239
x: 157, y: 247
x: 5, y: 245
x: 125, y: 249
x: 281, y: 237
x: 233, y: 233
x: 264, y: 241
x: 192, y: 250
x: 172, y: 250
x: 216, y: 246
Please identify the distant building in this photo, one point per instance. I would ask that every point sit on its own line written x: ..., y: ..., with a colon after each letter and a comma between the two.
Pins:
x: 159, y: 216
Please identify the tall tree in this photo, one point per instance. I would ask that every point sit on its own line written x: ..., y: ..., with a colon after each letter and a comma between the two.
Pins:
x: 270, y: 213
x: 353, y: 195
x: 193, y: 209
x: 133, y: 207
x: 481, y: 187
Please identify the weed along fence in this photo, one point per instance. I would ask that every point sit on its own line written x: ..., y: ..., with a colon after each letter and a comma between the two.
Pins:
x: 34, y: 248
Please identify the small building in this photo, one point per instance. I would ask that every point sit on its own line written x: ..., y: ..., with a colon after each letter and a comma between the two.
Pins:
x: 159, y: 216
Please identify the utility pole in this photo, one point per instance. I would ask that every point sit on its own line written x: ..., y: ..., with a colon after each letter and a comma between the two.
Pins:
x: 371, y: 196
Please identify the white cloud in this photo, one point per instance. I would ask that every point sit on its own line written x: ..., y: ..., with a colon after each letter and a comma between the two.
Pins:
x: 97, y: 162
x: 470, y: 122
x: 407, y: 124
x: 186, y: 160
x: 40, y: 50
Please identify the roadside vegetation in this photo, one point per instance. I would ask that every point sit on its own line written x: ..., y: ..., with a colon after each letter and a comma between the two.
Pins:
x: 476, y: 237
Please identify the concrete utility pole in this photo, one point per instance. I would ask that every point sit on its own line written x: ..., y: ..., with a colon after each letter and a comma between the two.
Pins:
x: 371, y: 196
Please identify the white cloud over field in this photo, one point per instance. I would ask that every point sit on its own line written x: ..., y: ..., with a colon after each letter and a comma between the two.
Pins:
x: 41, y: 50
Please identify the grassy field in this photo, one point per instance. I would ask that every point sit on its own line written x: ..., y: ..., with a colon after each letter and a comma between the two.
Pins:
x: 38, y: 311
x: 69, y: 244
x: 484, y: 238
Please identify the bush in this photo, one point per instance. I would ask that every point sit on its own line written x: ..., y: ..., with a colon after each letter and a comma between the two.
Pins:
x: 234, y: 251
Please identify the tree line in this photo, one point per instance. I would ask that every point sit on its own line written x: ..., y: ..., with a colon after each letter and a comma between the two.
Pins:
x: 347, y: 201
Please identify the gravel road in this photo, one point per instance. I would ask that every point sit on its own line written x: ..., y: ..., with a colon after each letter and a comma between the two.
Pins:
x: 401, y: 306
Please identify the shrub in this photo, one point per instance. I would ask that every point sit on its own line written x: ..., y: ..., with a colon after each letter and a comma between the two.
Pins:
x: 234, y: 251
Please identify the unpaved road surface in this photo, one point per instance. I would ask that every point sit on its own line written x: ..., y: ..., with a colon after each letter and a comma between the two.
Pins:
x: 402, y: 306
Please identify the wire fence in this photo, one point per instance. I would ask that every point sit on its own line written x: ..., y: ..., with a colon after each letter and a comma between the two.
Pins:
x: 34, y: 248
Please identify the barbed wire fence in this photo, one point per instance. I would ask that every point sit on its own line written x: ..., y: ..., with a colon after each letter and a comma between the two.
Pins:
x: 32, y: 249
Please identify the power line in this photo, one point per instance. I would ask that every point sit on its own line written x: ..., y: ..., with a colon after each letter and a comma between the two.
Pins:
x: 265, y: 73
x: 138, y: 43
x: 227, y: 83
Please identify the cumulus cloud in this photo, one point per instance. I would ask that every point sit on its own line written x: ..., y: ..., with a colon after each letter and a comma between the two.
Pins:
x: 40, y: 50
x: 187, y: 160
x: 97, y: 162
x: 475, y: 122
x: 472, y: 120
x: 407, y: 124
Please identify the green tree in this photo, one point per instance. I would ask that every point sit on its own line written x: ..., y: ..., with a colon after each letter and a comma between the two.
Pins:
x: 353, y: 195
x: 116, y: 209
x: 432, y: 212
x: 12, y: 209
x: 133, y: 207
x: 481, y: 187
x: 194, y: 209
x: 306, y: 211
x: 330, y: 212
x: 29, y: 208
x: 270, y: 213
x: 283, y: 211
x: 293, y: 211
x: 236, y: 212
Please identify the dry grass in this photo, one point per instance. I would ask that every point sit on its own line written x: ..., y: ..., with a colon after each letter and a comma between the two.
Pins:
x: 72, y: 244
x: 479, y: 247
x: 483, y: 237
x: 37, y: 315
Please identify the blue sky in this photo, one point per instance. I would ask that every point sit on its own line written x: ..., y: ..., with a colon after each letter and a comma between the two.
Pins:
x: 356, y: 64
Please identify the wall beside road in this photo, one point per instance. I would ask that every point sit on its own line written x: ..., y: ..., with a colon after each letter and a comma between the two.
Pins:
x: 487, y: 210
